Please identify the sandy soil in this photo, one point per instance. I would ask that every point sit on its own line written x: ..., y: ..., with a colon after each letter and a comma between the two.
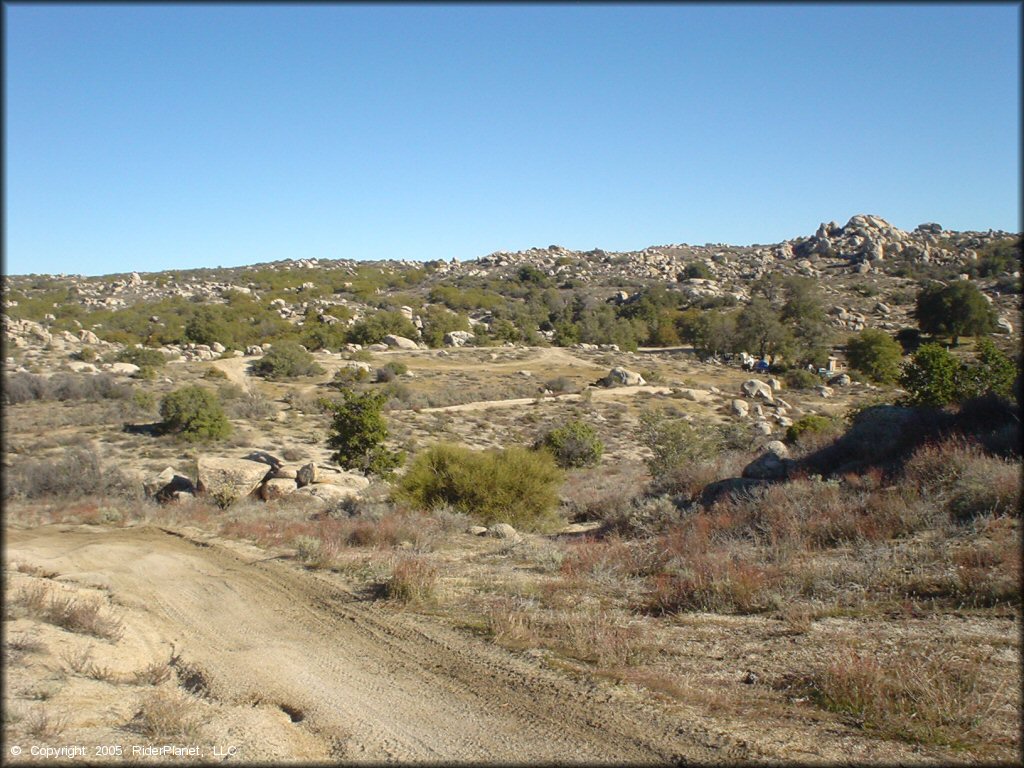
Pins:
x: 295, y: 666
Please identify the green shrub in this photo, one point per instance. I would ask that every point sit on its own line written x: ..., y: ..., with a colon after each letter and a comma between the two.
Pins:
x: 358, y: 432
x: 696, y: 269
x: 286, y: 360
x: 437, y: 321
x: 876, y: 354
x: 390, y: 371
x: 674, y: 442
x: 514, y: 485
x: 346, y: 378
x: 195, y: 413
x: 801, y: 378
x: 812, y: 423
x: 214, y: 373
x: 992, y: 371
x: 930, y: 377
x: 574, y: 445
x: 373, y: 328
x: 142, y: 357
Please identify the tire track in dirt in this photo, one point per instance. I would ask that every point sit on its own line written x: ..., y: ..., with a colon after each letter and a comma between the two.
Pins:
x: 387, y: 685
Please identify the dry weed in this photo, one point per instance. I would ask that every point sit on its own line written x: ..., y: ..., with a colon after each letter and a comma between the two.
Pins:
x: 157, y: 673
x: 924, y: 695
x: 44, y: 723
x: 70, y: 613
x: 166, y: 714
x: 412, y: 580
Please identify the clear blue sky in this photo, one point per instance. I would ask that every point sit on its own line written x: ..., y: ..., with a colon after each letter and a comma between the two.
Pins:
x: 160, y: 137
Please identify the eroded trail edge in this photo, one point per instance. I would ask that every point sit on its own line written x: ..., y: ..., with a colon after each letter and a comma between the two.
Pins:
x: 361, y: 681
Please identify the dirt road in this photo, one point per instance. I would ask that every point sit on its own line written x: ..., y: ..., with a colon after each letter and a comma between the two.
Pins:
x: 359, y: 681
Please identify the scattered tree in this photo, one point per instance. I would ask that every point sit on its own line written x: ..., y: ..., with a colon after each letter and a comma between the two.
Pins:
x: 760, y: 330
x: 930, y: 378
x: 876, y: 354
x: 358, y: 432
x: 954, y: 310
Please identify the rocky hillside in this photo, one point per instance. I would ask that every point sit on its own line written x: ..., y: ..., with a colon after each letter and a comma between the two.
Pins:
x: 868, y: 270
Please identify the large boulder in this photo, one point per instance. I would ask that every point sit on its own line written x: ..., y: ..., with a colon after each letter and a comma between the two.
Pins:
x: 125, y: 369
x: 739, y: 408
x: 266, y: 458
x: 276, y: 488
x: 399, y: 342
x: 166, y: 485
x: 880, y: 435
x: 457, y: 338
x: 331, y: 476
x: 773, y: 464
x: 328, y: 494
x: 757, y: 388
x: 624, y: 377
x: 230, y: 479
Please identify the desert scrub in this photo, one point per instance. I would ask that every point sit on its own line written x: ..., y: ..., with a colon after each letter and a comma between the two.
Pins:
x: 801, y: 378
x: 591, y: 636
x: 812, y: 424
x: 575, y: 444
x: 920, y: 695
x: 195, y: 413
x: 512, y: 485
x: 76, y: 473
x: 961, y: 478
x: 44, y: 723
x: 286, y: 360
x: 412, y: 580
x: 716, y: 584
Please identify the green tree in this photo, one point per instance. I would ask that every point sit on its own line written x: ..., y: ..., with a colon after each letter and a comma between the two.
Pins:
x: 575, y: 444
x: 286, y: 360
x: 437, y: 321
x: 804, y: 312
x: 954, y: 310
x: 930, y: 377
x: 760, y: 330
x: 876, y: 354
x: 207, y: 325
x: 195, y: 413
x: 373, y: 328
x: 358, y: 432
x: 991, y: 371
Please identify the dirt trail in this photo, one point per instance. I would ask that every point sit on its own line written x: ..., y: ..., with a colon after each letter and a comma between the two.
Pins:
x: 236, y: 369
x: 614, y: 393
x: 365, y: 682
